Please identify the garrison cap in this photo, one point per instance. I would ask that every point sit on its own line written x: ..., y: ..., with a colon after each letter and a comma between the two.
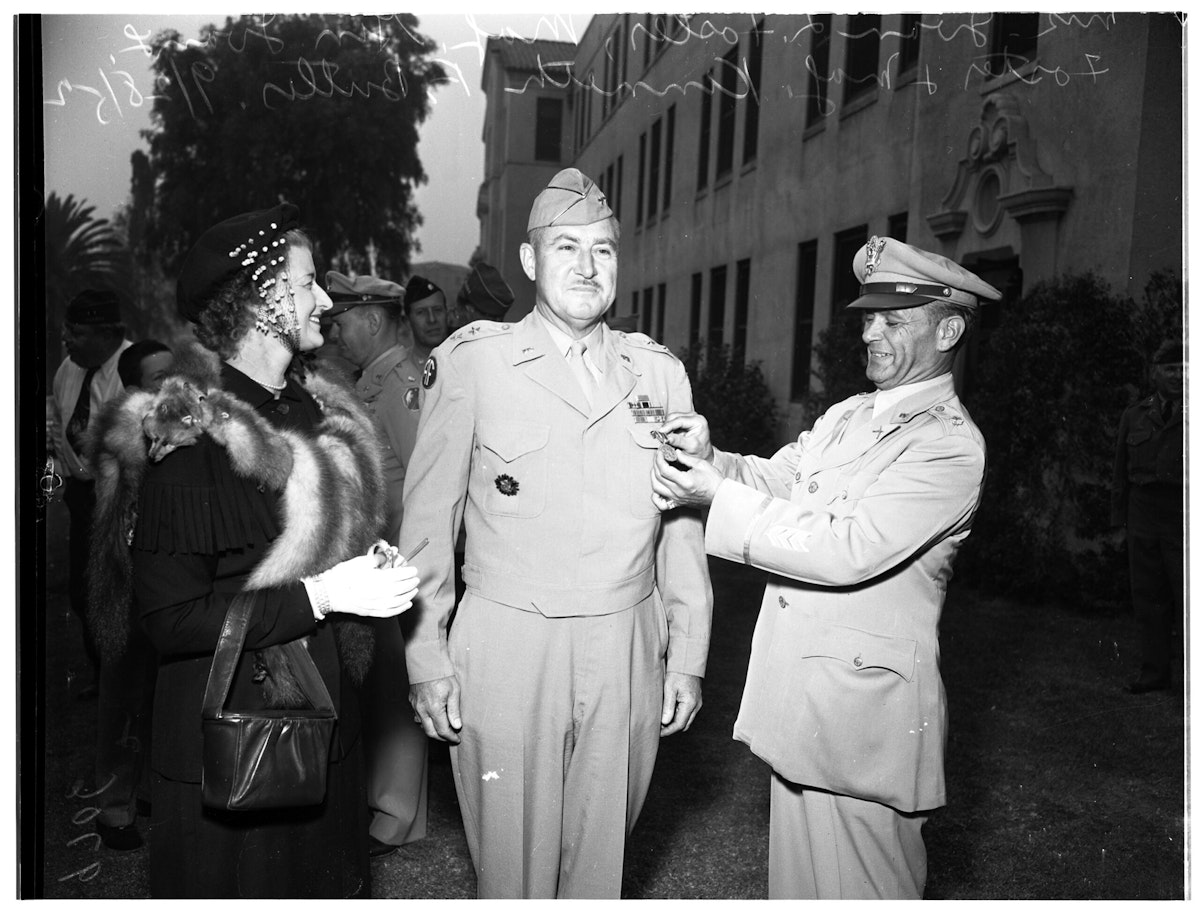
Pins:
x: 571, y: 198
x: 346, y: 292
x: 895, y: 276
x: 252, y: 240
x: 94, y: 308
x: 419, y: 288
x: 486, y: 290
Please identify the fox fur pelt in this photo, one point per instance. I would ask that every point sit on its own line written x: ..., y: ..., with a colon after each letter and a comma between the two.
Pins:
x: 331, y: 505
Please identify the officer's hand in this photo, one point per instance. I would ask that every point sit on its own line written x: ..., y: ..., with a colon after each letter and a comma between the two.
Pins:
x: 681, y: 702
x: 435, y: 706
x: 694, y: 487
x: 689, y: 431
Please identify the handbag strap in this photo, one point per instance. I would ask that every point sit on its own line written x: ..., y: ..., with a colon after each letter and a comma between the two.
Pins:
x: 229, y: 651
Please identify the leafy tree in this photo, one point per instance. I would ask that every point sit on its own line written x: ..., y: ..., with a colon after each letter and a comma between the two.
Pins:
x: 735, y: 398
x: 317, y: 110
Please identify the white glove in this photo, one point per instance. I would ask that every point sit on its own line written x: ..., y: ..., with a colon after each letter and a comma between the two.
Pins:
x: 368, y: 586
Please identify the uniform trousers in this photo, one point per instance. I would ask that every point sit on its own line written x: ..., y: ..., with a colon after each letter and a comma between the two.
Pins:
x: 1156, y: 586
x: 561, y: 720
x: 397, y: 750
x: 826, y: 845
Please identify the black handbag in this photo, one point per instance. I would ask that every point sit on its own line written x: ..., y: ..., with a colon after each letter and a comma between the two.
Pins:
x: 269, y: 758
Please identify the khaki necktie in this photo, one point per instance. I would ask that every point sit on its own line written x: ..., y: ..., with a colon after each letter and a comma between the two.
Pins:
x: 587, y: 382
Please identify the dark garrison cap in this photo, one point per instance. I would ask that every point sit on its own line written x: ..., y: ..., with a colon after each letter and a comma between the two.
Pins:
x: 250, y: 240
x: 486, y: 290
x: 418, y: 289
x: 346, y: 292
x: 94, y: 308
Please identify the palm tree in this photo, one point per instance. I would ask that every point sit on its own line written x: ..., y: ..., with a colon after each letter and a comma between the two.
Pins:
x: 82, y: 251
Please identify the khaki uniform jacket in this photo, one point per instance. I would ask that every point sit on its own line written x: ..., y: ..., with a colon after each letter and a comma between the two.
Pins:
x: 390, y: 387
x: 860, y: 519
x: 555, y: 496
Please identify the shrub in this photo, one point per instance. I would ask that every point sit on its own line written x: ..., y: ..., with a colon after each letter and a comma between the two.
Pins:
x: 1052, y: 379
x: 733, y: 395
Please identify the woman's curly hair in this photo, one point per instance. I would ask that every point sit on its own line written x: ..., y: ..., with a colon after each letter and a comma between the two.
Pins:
x: 230, y: 311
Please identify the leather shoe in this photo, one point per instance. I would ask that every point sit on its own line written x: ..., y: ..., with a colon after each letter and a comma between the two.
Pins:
x: 381, y: 848
x: 1146, y: 685
x: 119, y: 838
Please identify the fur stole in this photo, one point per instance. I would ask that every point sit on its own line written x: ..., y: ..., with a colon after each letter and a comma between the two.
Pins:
x: 331, y: 504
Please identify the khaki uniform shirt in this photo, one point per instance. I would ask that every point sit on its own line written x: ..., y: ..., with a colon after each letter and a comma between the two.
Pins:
x: 390, y: 387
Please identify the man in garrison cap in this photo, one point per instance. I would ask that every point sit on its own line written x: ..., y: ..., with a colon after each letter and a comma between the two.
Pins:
x: 428, y: 317
x: 1147, y: 501
x: 858, y: 521
x: 366, y: 313
x: 484, y: 295
x: 582, y: 636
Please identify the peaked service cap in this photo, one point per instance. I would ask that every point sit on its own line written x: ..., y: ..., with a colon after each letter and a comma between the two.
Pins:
x: 571, y: 198
x: 94, y: 308
x: 346, y: 292
x: 895, y: 276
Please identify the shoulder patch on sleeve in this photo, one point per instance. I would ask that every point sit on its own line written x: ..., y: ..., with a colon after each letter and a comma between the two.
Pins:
x: 429, y: 376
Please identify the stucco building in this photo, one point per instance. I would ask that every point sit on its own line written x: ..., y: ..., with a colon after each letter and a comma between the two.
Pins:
x: 749, y: 156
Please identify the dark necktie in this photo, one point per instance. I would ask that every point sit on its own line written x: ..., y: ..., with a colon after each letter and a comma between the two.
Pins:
x: 79, y: 417
x: 1168, y: 411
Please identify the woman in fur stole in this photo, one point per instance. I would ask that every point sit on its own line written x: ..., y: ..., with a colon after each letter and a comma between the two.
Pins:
x: 247, y: 473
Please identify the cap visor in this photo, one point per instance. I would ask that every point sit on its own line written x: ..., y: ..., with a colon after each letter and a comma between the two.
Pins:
x: 888, y: 302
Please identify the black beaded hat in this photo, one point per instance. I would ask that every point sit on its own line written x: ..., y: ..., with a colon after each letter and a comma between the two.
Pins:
x: 250, y: 240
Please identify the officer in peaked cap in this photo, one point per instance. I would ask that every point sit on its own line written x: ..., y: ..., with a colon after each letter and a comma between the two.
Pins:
x: 366, y: 313
x: 484, y: 295
x: 566, y: 633
x: 858, y: 522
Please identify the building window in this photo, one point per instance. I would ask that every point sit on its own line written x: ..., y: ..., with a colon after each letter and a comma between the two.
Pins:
x: 648, y: 25
x: 716, y: 307
x: 634, y: 312
x: 727, y: 116
x: 898, y: 226
x: 694, y: 319
x: 620, y: 179
x: 623, y: 50
x: 647, y: 310
x: 669, y: 160
x: 548, y: 142
x: 660, y: 315
x: 655, y: 157
x: 610, y: 76
x: 845, y: 283
x: 741, y: 309
x: 1014, y: 41
x: 910, y: 41
x: 862, y: 56
x: 607, y: 189
x: 818, y: 73
x: 806, y: 305
x: 641, y: 181
x: 753, y: 99
x: 705, y: 131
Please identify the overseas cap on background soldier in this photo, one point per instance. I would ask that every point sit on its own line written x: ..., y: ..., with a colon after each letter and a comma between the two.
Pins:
x: 486, y: 291
x: 346, y: 292
x: 896, y: 276
x: 419, y: 288
x: 571, y: 198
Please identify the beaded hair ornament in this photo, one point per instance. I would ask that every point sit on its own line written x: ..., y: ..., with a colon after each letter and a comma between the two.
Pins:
x: 277, y: 313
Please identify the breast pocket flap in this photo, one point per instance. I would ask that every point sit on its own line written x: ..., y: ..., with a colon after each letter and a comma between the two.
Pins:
x: 512, y: 439
x: 642, y: 435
